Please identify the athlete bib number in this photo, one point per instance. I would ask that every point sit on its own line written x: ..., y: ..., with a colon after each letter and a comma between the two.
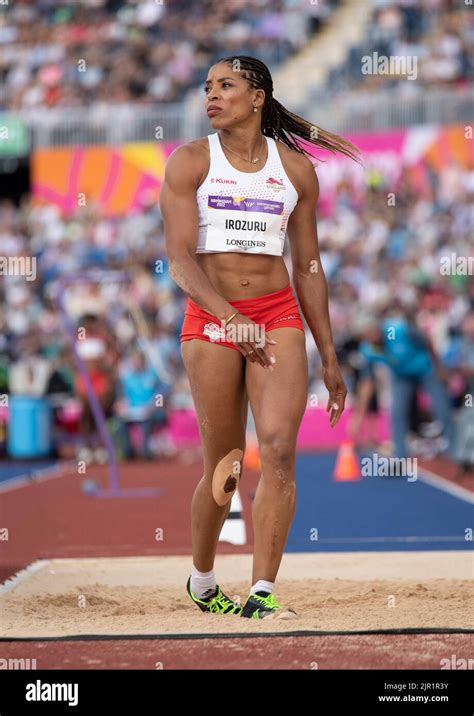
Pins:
x: 247, y: 225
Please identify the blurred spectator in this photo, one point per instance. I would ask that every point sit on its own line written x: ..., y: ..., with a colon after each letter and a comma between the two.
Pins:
x: 95, y: 330
x: 399, y: 345
x: 165, y: 346
x: 362, y: 384
x: 29, y: 375
x: 61, y: 377
x: 102, y: 380
x: 143, y: 403
x: 465, y: 364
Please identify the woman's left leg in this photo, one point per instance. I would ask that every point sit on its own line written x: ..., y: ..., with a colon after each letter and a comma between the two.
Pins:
x: 278, y: 400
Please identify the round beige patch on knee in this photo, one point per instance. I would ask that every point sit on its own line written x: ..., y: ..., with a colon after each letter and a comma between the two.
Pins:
x: 227, y: 476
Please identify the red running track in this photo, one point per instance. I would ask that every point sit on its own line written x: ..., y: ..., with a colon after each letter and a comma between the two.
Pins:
x: 390, y: 651
x: 55, y: 518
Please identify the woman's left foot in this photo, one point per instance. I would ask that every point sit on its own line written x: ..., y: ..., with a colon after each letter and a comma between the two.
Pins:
x: 263, y: 605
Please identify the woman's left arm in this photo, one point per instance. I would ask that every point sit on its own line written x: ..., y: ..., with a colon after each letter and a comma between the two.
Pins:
x: 311, y: 285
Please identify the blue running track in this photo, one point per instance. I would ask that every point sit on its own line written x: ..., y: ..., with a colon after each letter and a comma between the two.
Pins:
x: 374, y: 513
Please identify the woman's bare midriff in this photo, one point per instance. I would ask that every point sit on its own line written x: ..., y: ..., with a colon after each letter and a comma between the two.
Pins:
x: 236, y: 275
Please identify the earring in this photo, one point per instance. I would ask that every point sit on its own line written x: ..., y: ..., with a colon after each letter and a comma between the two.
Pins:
x: 255, y: 109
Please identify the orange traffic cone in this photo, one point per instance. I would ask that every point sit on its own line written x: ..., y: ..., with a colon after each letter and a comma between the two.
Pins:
x: 347, y: 464
x: 252, y: 457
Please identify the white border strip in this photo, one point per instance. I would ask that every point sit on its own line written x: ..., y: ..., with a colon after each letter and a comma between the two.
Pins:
x: 376, y: 540
x: 41, y: 475
x: 233, y: 530
x: 23, y: 575
x: 446, y: 485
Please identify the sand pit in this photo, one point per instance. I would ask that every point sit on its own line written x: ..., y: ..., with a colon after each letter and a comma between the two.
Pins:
x: 329, y: 591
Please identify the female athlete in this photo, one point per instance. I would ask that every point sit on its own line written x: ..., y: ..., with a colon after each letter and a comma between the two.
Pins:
x: 229, y: 201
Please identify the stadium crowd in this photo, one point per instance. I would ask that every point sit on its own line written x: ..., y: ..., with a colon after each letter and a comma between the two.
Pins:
x: 378, y: 256
x: 69, y: 54
x: 73, y: 53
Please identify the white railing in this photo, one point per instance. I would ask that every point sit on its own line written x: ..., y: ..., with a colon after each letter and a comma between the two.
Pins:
x: 361, y: 111
x: 116, y: 124
x: 107, y: 124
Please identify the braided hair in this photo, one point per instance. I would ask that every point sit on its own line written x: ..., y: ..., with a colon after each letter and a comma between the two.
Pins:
x: 277, y: 121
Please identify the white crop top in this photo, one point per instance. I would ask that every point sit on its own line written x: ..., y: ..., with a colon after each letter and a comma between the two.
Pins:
x: 246, y: 212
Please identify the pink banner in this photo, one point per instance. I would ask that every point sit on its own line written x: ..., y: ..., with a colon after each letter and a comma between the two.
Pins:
x: 121, y: 179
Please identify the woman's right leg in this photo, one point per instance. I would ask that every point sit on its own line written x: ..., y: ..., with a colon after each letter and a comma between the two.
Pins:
x: 217, y: 379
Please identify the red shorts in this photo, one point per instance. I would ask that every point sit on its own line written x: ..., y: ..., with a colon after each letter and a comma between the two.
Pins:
x: 273, y: 310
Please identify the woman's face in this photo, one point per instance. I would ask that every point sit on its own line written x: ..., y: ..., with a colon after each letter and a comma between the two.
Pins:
x: 229, y: 98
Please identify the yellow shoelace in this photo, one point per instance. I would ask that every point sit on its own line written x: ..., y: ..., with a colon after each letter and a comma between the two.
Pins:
x: 220, y: 604
x: 270, y: 602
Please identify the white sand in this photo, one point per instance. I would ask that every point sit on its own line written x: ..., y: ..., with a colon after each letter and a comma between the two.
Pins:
x: 329, y: 591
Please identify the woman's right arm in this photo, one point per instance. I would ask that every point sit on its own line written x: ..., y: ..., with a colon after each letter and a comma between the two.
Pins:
x: 180, y: 215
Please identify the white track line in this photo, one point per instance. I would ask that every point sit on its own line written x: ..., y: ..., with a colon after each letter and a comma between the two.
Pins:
x: 23, y: 574
x: 431, y: 478
x: 414, y: 538
x: 47, y: 473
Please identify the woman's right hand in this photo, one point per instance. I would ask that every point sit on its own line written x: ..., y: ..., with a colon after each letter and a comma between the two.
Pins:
x: 251, y: 340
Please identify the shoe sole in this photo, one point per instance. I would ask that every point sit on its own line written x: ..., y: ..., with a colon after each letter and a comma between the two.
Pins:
x: 281, y: 614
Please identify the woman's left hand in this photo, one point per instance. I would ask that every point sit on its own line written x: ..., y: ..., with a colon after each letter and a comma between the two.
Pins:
x: 334, y: 382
